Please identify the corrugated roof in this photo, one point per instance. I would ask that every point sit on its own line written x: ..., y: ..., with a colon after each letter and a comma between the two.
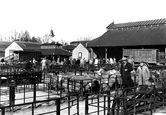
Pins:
x: 136, y: 24
x: 69, y: 47
x: 4, y: 45
x: 148, y: 35
x: 61, y: 52
x: 78, y: 42
x: 29, y: 45
x: 53, y: 43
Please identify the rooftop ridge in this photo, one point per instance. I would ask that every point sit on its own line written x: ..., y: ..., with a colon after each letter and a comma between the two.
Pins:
x: 137, y: 23
x: 27, y: 42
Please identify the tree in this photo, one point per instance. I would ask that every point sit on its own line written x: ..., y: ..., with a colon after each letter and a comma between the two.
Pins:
x: 25, y: 37
x: 15, y: 35
x: 11, y: 37
x: 33, y: 39
x: 45, y: 38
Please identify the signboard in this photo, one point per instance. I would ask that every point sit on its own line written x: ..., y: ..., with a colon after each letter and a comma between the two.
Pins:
x: 139, y: 55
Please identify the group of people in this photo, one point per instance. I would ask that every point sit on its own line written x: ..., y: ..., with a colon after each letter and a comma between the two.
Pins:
x: 126, y: 69
x: 126, y: 73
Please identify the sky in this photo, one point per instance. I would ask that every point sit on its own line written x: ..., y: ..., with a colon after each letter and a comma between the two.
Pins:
x: 72, y: 20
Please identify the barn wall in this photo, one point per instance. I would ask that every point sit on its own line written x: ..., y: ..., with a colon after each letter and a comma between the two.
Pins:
x: 112, y: 52
x: 118, y: 51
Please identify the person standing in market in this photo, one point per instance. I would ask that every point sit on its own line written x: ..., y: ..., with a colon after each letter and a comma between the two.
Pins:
x: 143, y: 74
x: 44, y: 64
x: 125, y: 71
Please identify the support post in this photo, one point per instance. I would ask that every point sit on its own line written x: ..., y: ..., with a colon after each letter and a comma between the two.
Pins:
x: 86, y: 104
x: 12, y: 92
x: 105, y: 54
x: 58, y: 102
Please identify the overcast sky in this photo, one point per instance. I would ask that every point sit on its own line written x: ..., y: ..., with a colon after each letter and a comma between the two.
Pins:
x: 72, y: 19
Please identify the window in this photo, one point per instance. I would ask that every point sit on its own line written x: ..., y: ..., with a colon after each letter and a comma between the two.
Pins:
x: 79, y: 54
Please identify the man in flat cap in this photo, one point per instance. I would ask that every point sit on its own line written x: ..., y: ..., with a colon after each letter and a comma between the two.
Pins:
x: 126, y: 69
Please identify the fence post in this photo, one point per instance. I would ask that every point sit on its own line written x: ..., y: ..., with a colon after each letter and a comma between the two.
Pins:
x: 86, y: 104
x: 32, y: 108
x: 154, y: 91
x: 151, y: 108
x: 109, y: 101
x: 69, y: 104
x: 98, y: 104
x: 104, y: 109
x: 78, y: 104
x: 134, y: 100
x: 58, y: 102
x: 24, y: 82
x: 3, y: 111
x: 34, y: 93
x: 12, y: 93
x: 125, y: 101
x: 67, y: 85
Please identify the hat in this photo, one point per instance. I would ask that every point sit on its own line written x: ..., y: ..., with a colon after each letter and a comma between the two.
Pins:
x: 124, y: 59
x: 142, y: 63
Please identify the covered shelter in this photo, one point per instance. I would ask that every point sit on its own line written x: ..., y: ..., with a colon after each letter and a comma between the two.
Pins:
x: 53, y: 51
x: 22, y: 51
x: 141, y: 34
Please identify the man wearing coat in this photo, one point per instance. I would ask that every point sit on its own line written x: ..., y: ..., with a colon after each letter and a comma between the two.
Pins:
x: 126, y: 69
x: 143, y: 74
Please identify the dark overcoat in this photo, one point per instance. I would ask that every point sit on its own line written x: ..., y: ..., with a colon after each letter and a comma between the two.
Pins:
x: 126, y: 74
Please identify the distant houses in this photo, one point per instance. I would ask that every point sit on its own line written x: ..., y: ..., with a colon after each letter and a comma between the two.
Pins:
x: 22, y: 51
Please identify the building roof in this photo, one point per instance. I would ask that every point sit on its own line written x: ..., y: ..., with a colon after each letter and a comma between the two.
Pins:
x: 53, y: 43
x: 4, y: 45
x: 69, y: 47
x: 28, y: 46
x: 136, y: 24
x: 61, y: 52
x: 78, y: 42
x: 151, y: 32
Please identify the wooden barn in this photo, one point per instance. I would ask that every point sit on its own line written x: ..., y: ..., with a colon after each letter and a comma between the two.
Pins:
x: 149, y: 34
x: 22, y: 51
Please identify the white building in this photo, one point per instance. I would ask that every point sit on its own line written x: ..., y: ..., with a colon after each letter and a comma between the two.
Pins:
x: 22, y: 50
x: 82, y: 52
